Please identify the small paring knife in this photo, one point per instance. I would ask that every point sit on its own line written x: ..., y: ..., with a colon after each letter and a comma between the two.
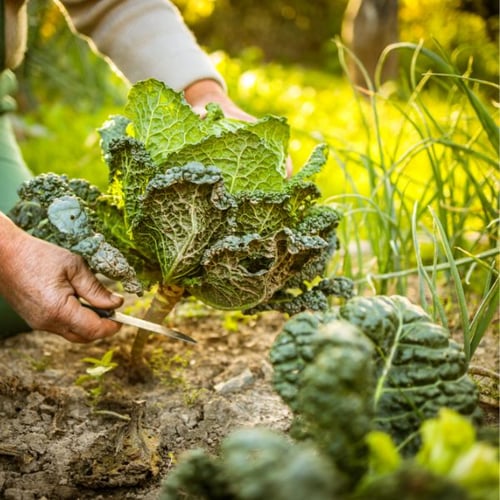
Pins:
x: 139, y: 323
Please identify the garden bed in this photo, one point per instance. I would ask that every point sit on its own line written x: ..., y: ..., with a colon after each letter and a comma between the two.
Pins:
x: 57, y: 442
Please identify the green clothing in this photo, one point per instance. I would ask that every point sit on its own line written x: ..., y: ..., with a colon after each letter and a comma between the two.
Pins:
x: 13, y: 171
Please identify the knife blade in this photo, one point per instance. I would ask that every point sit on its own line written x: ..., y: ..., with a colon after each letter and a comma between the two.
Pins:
x: 139, y: 323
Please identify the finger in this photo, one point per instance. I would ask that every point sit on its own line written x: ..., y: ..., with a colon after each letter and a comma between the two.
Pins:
x: 200, y: 111
x: 289, y: 166
x: 85, y: 324
x: 87, y: 286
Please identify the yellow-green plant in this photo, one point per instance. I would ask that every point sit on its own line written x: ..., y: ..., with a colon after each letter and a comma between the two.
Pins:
x: 94, y: 378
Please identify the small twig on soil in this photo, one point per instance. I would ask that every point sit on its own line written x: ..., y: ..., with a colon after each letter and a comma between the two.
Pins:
x: 483, y: 372
x: 114, y: 414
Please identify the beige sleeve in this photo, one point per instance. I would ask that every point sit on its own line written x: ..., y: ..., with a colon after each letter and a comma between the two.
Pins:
x: 143, y: 39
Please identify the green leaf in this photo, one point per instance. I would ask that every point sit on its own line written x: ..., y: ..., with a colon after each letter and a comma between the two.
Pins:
x: 99, y: 370
x: 112, y: 129
x: 162, y: 120
x: 384, y: 455
x: 130, y: 170
x: 240, y: 272
x: 250, y: 158
x: 449, y: 448
x: 178, y: 232
x: 314, y: 164
x: 419, y: 368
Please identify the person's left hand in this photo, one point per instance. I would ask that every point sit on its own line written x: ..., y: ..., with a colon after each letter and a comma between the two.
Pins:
x: 203, y: 92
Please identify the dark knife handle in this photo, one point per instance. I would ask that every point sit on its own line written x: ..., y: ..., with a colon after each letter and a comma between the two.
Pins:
x: 102, y: 313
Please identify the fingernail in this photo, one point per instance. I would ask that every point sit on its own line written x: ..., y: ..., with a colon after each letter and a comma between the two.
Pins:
x: 117, y: 296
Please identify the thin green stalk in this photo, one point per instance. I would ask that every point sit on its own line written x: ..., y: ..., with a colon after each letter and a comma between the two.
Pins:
x: 484, y: 315
x: 422, y: 272
x: 383, y: 237
x: 459, y: 290
x: 438, y: 267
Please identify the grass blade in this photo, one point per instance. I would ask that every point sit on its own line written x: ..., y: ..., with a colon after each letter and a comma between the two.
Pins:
x: 459, y: 290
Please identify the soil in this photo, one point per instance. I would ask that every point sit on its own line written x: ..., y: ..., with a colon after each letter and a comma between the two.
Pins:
x: 60, y: 439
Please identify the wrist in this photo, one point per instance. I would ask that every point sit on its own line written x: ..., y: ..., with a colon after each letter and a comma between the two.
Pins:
x: 202, y: 92
x: 9, y: 236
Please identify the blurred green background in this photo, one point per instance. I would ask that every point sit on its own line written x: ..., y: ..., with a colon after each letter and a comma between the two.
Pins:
x: 283, y: 31
x: 278, y: 57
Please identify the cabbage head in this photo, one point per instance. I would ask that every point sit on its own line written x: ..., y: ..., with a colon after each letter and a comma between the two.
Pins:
x: 204, y: 204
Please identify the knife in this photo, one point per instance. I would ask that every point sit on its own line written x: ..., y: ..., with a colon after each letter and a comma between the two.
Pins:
x: 139, y: 323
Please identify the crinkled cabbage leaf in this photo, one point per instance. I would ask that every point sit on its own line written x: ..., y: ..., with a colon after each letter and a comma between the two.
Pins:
x: 200, y: 203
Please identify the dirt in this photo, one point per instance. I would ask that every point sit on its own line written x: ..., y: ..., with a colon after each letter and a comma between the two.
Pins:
x: 58, y: 441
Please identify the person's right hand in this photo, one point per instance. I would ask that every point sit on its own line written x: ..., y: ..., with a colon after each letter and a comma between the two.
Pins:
x: 42, y: 281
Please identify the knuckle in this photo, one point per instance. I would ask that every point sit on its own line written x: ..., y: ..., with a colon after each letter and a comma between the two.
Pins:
x: 75, y: 262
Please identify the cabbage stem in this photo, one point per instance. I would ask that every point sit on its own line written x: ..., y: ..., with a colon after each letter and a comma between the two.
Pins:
x: 163, y: 302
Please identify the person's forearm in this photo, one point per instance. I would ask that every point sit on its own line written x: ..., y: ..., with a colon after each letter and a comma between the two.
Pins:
x: 9, y: 234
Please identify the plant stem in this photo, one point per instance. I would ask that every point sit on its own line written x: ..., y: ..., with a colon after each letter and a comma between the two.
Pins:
x: 438, y: 267
x: 484, y: 372
x: 163, y: 302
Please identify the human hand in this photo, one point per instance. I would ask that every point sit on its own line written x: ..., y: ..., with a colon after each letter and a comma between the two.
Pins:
x: 203, y: 92
x: 42, y: 281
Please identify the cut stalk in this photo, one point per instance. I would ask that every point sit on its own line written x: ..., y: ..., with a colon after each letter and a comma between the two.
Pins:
x: 163, y: 302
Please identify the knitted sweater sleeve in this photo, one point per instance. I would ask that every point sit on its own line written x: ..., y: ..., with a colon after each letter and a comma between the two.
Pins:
x: 143, y: 39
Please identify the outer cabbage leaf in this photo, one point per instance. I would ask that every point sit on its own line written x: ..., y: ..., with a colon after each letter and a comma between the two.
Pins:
x: 115, y: 127
x: 261, y: 212
x: 420, y: 369
x: 50, y: 209
x: 303, y: 290
x: 313, y: 165
x: 247, y: 162
x: 130, y: 169
x: 241, y: 272
x: 182, y: 213
x: 161, y: 119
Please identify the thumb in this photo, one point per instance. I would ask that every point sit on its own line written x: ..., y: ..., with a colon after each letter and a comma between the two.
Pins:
x: 88, y: 287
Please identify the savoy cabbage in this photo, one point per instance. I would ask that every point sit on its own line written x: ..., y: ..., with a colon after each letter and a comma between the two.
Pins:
x: 396, y: 360
x: 202, y: 205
